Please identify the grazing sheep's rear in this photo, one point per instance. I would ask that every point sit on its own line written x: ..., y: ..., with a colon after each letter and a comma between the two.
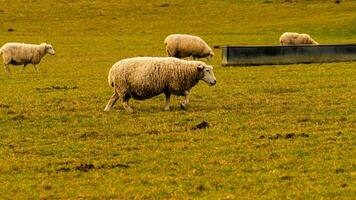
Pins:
x: 23, y: 54
x: 289, y: 38
x: 181, y: 46
x: 145, y: 77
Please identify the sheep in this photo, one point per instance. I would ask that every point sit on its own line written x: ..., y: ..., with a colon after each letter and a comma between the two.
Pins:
x: 182, y: 45
x: 23, y: 54
x: 289, y: 38
x: 146, y: 77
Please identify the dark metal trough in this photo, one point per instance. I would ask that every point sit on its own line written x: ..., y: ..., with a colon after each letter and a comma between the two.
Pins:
x: 277, y: 55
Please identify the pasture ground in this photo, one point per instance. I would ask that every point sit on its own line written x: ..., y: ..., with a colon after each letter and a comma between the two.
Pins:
x: 275, y: 132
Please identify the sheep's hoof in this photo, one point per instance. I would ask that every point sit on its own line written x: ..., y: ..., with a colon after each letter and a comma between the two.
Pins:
x: 167, y: 109
x: 183, y: 106
x: 107, y: 108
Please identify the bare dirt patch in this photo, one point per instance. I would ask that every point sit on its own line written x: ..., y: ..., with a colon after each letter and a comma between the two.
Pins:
x: 202, y: 125
x: 56, y: 88
x: 285, y: 136
x: 85, y: 167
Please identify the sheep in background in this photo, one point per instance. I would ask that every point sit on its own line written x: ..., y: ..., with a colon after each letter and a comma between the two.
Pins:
x: 289, y: 38
x: 181, y: 46
x: 146, y: 77
x: 23, y: 54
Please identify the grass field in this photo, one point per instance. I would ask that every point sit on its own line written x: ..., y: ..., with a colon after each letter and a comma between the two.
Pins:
x: 275, y: 132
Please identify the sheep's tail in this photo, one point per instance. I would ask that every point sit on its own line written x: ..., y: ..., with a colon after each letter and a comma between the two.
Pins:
x: 110, y: 80
x: 281, y: 41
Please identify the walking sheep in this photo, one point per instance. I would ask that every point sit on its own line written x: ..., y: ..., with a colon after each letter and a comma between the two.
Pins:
x: 23, y: 54
x: 181, y: 46
x: 146, y: 77
x: 289, y: 38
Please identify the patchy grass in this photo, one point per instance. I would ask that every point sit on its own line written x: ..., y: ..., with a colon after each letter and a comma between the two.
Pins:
x: 274, y: 131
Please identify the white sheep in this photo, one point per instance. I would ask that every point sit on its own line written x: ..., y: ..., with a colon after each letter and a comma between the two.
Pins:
x: 23, y: 54
x: 145, y: 77
x: 289, y: 38
x: 182, y: 45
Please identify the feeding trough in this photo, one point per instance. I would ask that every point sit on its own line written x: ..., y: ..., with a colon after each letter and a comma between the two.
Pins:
x: 278, y: 55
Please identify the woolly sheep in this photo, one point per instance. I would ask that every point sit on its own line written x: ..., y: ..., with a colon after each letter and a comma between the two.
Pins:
x: 145, y: 77
x: 182, y: 45
x: 23, y: 54
x: 289, y: 38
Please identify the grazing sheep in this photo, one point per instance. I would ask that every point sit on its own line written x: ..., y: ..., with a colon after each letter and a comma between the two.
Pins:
x: 23, y: 54
x: 289, y: 38
x: 181, y: 46
x: 145, y: 77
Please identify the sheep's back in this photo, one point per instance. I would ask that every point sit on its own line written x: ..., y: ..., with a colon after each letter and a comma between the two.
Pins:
x: 186, y: 43
x: 145, y: 77
x: 18, y: 52
x: 192, y: 43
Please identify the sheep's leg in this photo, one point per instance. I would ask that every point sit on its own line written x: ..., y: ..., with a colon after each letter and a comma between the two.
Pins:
x: 185, y: 102
x: 23, y: 68
x: 36, y: 68
x: 111, y: 102
x: 7, y: 69
x: 126, y: 105
x: 125, y: 101
x: 168, y: 101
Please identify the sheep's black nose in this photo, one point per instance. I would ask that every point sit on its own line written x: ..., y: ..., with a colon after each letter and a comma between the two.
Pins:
x: 213, y: 82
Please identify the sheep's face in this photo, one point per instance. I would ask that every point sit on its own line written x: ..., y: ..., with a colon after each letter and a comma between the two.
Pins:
x: 207, y: 74
x: 210, y: 56
x: 49, y: 49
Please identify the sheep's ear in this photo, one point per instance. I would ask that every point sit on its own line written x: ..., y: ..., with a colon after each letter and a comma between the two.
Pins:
x: 200, y: 67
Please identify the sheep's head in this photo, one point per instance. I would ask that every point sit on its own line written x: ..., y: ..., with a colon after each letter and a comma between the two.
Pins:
x: 207, y: 74
x: 312, y: 41
x: 210, y: 56
x: 49, y: 49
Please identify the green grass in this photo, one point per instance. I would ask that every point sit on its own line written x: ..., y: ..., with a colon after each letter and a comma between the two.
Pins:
x: 275, y: 132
